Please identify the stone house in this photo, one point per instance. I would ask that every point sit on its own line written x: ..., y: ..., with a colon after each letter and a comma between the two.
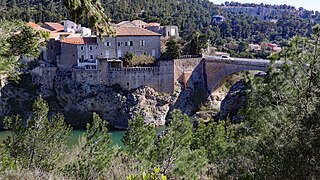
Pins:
x: 72, y: 49
x: 165, y: 31
x: 140, y: 23
x: 133, y: 40
x: 254, y: 47
x: 78, y: 52
x: 125, y: 24
x: 85, y: 52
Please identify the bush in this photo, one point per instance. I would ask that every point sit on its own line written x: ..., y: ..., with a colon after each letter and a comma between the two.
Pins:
x: 143, y: 60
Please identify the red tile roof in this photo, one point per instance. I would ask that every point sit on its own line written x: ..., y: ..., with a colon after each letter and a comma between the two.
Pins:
x: 32, y: 24
x: 36, y: 26
x: 79, y: 40
x: 134, y: 31
x: 55, y: 26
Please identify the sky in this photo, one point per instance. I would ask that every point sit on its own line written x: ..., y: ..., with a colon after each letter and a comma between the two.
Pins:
x: 306, y: 4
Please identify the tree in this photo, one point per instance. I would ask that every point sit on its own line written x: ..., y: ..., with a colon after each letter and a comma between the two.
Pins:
x: 17, y: 40
x: 198, y: 43
x: 173, y: 49
x: 30, y: 144
x: 175, y: 156
x: 93, y: 12
x: 140, y: 142
x: 282, y: 116
x: 127, y: 59
x: 172, y: 152
x: 93, y: 153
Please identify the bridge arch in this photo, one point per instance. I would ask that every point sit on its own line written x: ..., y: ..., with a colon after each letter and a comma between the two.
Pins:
x: 216, y: 72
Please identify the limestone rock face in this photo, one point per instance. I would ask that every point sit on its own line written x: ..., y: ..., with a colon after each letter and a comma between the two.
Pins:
x: 77, y: 101
x: 236, y: 99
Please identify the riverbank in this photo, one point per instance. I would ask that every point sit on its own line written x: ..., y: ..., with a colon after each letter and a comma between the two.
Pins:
x: 116, y: 136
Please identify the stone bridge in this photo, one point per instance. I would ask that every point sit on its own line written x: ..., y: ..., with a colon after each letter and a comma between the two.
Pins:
x: 213, y: 71
x: 217, y: 70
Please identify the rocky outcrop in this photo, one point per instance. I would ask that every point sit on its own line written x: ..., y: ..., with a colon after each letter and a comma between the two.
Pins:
x: 117, y: 107
x: 235, y: 100
x: 77, y: 101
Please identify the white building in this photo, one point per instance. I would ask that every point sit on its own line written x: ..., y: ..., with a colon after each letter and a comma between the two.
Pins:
x: 72, y: 27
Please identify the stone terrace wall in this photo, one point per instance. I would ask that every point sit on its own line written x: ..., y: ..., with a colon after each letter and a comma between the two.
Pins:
x: 160, y: 78
x: 188, y: 71
x: 166, y: 74
x: 88, y: 76
x: 134, y: 77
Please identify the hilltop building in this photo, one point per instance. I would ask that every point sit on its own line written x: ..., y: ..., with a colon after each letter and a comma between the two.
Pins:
x: 125, y: 24
x: 274, y: 47
x: 99, y: 61
x: 133, y: 40
x: 218, y: 18
x: 84, y: 52
x: 165, y: 31
x: 254, y: 47
x: 70, y: 26
x: 73, y: 46
x: 78, y: 51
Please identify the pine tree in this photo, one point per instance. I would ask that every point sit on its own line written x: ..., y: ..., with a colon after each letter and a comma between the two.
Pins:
x: 91, y: 11
x: 28, y: 11
x: 173, y: 49
x: 94, y: 152
x: 283, y: 117
x: 30, y: 144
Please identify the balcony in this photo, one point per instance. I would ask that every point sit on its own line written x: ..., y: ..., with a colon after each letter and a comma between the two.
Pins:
x: 87, y: 61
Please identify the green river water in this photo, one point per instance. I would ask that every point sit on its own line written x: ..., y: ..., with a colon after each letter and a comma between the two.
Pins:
x: 116, y: 136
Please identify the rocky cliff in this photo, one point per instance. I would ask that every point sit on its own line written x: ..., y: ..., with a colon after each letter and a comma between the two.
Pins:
x: 77, y: 101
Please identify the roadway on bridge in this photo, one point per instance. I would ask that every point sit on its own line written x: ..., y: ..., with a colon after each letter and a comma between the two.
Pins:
x: 239, y: 60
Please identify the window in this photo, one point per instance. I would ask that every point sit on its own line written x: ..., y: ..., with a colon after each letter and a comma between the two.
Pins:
x: 153, y: 53
x: 119, y: 54
x: 172, y: 32
x: 119, y: 43
x: 142, y: 43
x: 126, y: 43
x: 91, y: 56
x: 51, y: 47
x: 91, y: 48
x: 81, y: 59
x: 107, y: 44
x: 131, y: 43
x: 81, y: 47
x: 107, y: 54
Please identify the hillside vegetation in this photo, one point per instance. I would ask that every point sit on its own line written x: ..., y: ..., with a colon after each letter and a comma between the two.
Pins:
x: 232, y: 35
x: 189, y: 15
